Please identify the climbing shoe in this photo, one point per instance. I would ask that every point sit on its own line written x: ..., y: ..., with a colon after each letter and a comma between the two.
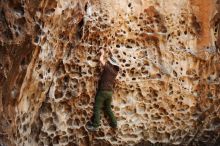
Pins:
x: 113, y: 125
x: 91, y: 127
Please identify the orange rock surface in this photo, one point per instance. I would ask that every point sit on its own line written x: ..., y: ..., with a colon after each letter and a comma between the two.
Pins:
x: 167, y: 92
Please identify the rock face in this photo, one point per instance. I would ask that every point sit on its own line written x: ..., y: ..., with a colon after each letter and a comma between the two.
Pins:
x: 167, y: 91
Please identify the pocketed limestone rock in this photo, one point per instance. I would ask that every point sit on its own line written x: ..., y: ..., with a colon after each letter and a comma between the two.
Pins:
x: 167, y: 90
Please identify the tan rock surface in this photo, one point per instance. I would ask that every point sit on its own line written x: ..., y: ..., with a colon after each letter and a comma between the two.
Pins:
x: 167, y: 90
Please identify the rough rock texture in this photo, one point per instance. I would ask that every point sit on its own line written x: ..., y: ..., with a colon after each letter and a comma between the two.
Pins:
x: 167, y: 91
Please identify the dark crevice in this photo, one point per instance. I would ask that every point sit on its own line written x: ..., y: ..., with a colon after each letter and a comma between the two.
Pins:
x: 4, y: 22
x: 19, y: 9
x: 86, y: 7
x: 79, y: 33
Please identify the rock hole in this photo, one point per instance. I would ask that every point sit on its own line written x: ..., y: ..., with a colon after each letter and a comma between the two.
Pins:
x: 49, y: 11
x: 118, y: 46
x: 68, y: 94
x: 80, y: 25
x: 175, y: 73
x: 171, y: 92
x: 46, y: 108
x: 128, y: 46
x: 58, y: 94
x: 69, y: 122
x: 41, y: 76
x: 36, y: 39
x: 23, y: 61
x: 49, y: 120
x: 127, y: 65
x: 77, y: 122
x: 20, y: 10
x: 156, y: 105
x: 216, y: 122
x: 209, y: 78
x: 158, y: 75
x: 89, y: 58
x: 56, y: 139
x: 40, y: 85
x: 52, y: 128
x: 17, y: 34
x: 66, y: 79
x: 178, y: 33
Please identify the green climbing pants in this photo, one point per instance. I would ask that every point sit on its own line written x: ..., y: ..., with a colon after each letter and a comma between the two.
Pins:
x: 103, y: 99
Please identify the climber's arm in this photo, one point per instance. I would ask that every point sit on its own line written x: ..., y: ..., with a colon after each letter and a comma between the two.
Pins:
x: 102, y: 57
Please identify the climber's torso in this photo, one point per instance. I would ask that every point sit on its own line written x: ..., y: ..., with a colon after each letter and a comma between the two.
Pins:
x: 108, y: 76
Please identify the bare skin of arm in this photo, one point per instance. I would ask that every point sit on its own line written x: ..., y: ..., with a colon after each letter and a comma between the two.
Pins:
x: 102, y: 57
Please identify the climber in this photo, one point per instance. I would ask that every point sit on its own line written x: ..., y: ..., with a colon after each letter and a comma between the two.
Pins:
x: 103, y: 97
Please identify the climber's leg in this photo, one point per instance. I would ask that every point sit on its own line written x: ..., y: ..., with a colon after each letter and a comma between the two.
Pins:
x: 108, y: 109
x: 99, y: 100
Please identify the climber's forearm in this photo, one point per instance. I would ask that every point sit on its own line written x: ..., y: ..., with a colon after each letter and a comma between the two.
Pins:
x: 102, y: 57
